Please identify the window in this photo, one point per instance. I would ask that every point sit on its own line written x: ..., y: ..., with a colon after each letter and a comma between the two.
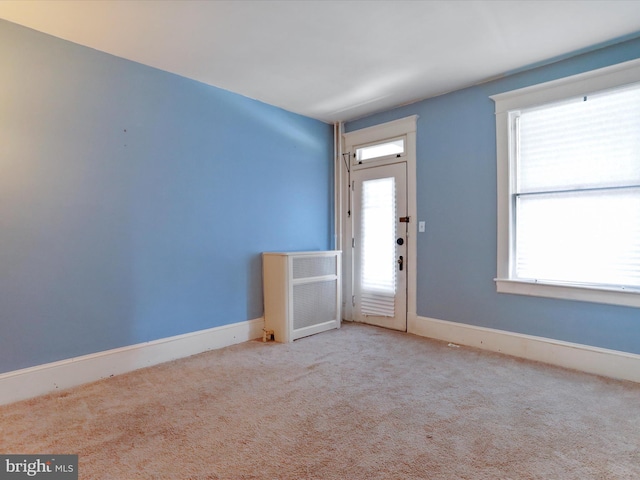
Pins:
x: 376, y: 151
x: 569, y: 188
x: 378, y: 237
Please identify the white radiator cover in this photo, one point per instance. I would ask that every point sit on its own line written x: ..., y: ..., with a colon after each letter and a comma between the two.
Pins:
x: 302, y: 293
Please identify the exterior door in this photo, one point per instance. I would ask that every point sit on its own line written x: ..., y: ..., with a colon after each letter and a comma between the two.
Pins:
x: 380, y: 245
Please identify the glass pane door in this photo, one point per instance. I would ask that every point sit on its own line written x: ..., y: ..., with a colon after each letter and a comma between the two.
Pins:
x: 379, y: 247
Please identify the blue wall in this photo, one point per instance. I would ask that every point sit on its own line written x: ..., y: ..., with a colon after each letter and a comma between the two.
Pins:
x: 456, y: 181
x: 134, y: 203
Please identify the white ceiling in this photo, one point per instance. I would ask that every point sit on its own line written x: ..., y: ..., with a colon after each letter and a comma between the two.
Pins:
x: 333, y: 60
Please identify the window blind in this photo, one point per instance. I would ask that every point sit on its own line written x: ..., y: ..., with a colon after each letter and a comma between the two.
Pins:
x: 577, y: 190
x: 378, y: 271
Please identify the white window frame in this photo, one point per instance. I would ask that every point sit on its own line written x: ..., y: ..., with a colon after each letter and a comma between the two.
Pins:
x: 578, y: 85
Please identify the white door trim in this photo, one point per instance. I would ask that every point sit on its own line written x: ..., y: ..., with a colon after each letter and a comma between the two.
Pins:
x: 404, y: 126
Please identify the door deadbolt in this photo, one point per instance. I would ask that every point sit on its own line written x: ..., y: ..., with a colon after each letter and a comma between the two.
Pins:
x: 400, y: 241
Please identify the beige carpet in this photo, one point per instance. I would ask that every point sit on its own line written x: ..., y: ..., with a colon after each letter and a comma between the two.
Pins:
x: 355, y: 403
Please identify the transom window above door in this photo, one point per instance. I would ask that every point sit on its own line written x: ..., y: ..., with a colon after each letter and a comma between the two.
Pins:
x: 394, y: 147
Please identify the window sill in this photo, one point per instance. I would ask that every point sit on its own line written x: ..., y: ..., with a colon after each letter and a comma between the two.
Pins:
x: 629, y: 298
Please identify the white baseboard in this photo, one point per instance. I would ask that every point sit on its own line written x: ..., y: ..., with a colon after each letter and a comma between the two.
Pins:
x: 599, y: 361
x: 42, y: 379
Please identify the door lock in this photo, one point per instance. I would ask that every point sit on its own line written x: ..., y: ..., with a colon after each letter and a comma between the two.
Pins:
x: 400, y: 262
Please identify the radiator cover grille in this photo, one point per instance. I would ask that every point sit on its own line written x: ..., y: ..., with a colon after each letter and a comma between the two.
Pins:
x: 314, y: 303
x: 305, y: 267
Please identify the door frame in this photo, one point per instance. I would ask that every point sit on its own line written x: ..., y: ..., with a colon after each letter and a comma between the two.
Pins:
x: 344, y: 164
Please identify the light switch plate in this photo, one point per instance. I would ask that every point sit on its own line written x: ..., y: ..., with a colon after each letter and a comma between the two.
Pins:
x: 421, y: 226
